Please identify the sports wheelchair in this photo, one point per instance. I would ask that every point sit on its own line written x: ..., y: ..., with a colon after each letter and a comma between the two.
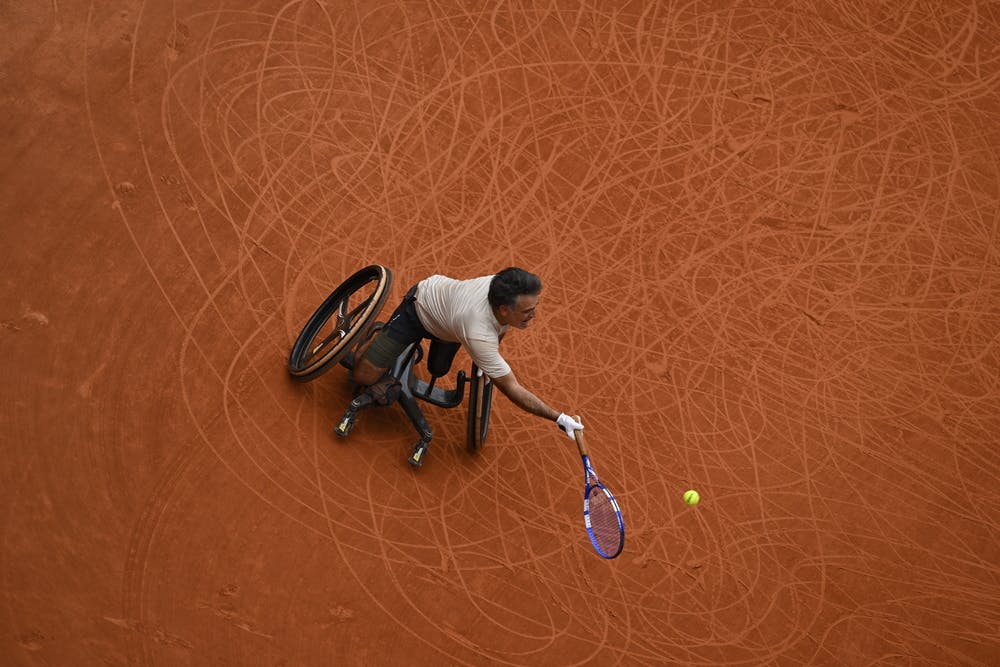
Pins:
x: 345, y: 320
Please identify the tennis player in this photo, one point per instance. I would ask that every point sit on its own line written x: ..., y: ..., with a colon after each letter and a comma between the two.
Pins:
x: 476, y: 314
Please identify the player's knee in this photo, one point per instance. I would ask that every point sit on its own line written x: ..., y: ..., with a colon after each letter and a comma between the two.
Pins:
x: 366, y: 373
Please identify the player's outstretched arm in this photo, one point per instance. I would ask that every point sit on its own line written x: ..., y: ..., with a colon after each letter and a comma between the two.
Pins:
x: 528, y: 402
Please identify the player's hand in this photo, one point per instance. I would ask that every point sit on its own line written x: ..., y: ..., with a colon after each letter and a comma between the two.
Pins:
x: 568, y: 424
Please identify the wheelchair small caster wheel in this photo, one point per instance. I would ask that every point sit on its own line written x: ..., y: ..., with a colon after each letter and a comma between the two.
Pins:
x: 419, y: 454
x: 346, y: 424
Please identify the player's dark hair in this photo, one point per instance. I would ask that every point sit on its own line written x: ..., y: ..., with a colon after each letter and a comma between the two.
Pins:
x: 511, y: 283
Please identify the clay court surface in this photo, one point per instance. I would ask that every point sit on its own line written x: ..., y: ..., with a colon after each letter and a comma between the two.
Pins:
x: 770, y: 241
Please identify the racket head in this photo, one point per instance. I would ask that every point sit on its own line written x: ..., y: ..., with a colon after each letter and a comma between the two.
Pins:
x: 603, y: 519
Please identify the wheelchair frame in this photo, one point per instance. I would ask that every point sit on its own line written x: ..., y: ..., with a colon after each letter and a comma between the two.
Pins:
x: 345, y: 326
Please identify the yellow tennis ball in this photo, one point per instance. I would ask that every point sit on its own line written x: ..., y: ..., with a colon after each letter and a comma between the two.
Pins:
x: 691, y: 497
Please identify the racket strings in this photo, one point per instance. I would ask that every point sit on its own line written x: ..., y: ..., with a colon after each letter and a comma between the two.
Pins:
x: 603, y: 522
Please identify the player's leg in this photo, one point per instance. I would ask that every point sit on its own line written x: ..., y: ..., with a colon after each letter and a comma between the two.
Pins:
x: 363, y: 369
x: 375, y: 356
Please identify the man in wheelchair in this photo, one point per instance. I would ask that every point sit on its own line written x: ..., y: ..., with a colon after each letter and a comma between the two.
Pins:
x: 476, y: 314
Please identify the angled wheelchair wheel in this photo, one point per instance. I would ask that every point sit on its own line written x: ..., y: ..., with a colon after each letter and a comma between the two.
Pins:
x: 342, y: 320
x: 480, y: 402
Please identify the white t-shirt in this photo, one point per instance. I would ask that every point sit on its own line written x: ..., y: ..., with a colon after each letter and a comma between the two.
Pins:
x: 459, y: 311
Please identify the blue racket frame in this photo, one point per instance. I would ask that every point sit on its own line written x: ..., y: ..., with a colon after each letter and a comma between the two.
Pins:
x: 592, y: 485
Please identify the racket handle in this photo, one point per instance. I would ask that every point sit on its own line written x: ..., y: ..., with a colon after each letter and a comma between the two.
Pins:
x: 580, y: 441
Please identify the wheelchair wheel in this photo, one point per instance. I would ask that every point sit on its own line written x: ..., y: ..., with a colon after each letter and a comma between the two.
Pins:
x: 480, y: 402
x: 339, y: 323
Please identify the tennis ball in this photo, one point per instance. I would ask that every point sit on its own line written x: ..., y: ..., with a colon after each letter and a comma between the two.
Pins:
x: 691, y: 497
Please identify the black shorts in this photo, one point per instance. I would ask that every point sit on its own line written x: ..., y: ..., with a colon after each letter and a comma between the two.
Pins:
x: 402, y: 329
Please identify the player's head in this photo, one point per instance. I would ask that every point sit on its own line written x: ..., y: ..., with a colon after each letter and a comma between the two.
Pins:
x: 513, y: 296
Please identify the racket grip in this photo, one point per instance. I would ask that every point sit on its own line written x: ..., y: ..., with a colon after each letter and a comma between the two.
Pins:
x: 581, y: 444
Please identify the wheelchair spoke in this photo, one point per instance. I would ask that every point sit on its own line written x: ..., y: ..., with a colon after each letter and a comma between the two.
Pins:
x: 341, y: 313
x: 337, y: 334
x: 348, y: 319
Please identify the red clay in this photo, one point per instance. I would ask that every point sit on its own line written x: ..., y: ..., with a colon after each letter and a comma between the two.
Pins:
x: 769, y: 242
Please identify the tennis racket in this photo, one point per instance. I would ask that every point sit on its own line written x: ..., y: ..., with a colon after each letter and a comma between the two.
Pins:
x: 601, y: 514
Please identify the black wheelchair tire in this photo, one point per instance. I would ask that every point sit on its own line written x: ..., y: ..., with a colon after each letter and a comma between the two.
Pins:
x: 311, y: 354
x: 480, y: 404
